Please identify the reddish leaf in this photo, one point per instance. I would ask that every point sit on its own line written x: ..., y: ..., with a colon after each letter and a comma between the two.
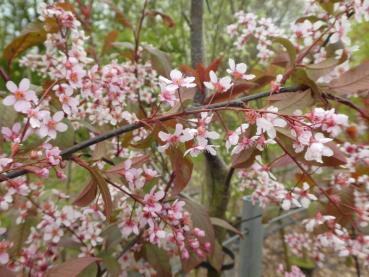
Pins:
x: 101, y: 183
x: 71, y: 268
x: 341, y: 209
x: 87, y: 195
x: 109, y: 40
x: 146, y: 142
x: 245, y: 158
x: 33, y: 34
x: 263, y: 80
x: 353, y: 81
x: 182, y: 168
x: 168, y: 21
x: 202, y: 73
x: 187, y: 95
x: 233, y: 92
x: 119, y: 15
x: 213, y: 66
x: 338, y: 157
x: 136, y: 161
x: 289, y: 102
x: 100, y: 151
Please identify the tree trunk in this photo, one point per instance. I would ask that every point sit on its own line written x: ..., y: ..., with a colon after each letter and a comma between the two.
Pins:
x: 217, y: 184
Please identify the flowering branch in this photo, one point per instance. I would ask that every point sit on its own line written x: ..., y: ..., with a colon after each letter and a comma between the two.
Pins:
x: 240, y: 102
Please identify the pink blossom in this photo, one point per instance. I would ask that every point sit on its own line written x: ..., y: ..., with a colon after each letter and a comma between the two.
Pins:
x: 129, y: 226
x: 4, y: 256
x: 179, y: 135
x: 238, y: 71
x: 168, y: 95
x: 12, y: 134
x: 35, y: 116
x: 177, y: 80
x: 21, y: 96
x: 75, y: 76
x: 151, y: 200
x: 221, y: 85
x: 51, y: 125
x: 316, y: 150
x: 268, y: 121
x: 305, y: 197
x: 53, y: 233
x: 69, y: 103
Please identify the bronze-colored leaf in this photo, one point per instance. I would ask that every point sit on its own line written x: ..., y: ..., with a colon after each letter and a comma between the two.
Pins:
x: 182, y: 168
x: 109, y: 40
x: 289, y: 102
x: 33, y: 34
x: 168, y: 21
x: 245, y: 158
x: 224, y: 224
x: 87, y: 195
x: 72, y: 267
x: 353, y: 81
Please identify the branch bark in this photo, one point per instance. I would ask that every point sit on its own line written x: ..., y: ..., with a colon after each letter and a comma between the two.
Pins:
x: 197, y: 42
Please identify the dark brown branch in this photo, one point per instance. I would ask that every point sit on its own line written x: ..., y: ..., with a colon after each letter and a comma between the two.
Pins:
x: 347, y: 103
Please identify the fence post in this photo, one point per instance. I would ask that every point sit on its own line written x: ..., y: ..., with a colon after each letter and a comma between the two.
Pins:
x: 250, y: 262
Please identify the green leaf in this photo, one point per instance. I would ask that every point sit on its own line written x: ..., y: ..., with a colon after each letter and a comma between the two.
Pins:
x: 18, y: 233
x: 109, y: 40
x: 112, y: 236
x: 300, y: 77
x: 300, y: 262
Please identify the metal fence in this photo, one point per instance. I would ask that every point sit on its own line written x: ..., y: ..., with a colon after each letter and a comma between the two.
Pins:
x: 254, y: 232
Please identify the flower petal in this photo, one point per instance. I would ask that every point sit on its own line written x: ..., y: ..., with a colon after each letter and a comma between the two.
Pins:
x: 9, y: 100
x: 11, y: 86
x: 24, y: 84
